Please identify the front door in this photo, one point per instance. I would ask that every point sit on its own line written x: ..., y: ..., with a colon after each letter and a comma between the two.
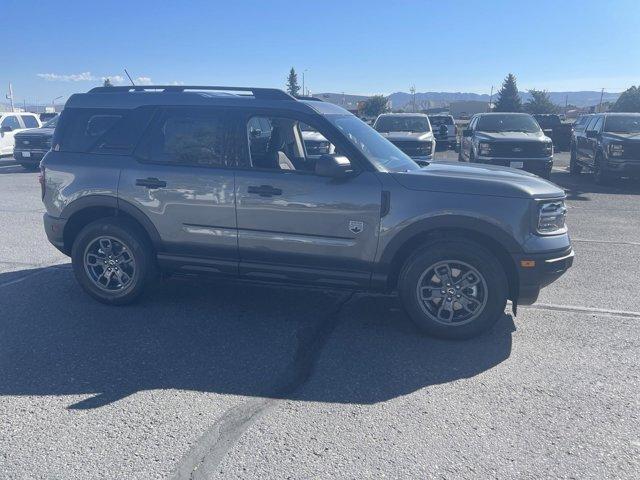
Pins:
x: 183, y: 181
x: 296, y: 226
x: 7, y: 140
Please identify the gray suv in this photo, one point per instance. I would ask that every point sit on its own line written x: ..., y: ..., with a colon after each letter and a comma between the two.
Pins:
x: 142, y: 180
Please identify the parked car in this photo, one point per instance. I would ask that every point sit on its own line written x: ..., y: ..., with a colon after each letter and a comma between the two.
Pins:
x: 558, y: 132
x: 33, y: 143
x: 608, y: 146
x: 170, y: 180
x: 510, y: 139
x: 314, y: 142
x: 410, y: 132
x: 46, y: 116
x: 12, y: 123
x: 444, y: 130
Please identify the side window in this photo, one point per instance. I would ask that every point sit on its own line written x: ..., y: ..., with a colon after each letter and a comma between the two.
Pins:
x: 83, y: 128
x: 11, y: 121
x: 193, y: 136
x: 592, y: 123
x: 598, y: 125
x: 29, y: 121
x: 277, y: 144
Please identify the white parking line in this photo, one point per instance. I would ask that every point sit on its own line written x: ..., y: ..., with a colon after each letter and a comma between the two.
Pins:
x: 571, y: 308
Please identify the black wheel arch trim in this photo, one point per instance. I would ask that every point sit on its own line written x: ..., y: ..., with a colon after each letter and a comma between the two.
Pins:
x: 118, y: 205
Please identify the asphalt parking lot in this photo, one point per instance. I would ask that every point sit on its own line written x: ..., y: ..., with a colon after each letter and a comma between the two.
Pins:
x: 214, y: 380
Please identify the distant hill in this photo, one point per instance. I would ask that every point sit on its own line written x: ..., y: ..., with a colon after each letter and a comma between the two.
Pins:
x: 441, y: 99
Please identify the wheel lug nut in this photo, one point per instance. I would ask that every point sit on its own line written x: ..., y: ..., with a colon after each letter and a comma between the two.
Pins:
x: 443, y: 291
x: 457, y: 296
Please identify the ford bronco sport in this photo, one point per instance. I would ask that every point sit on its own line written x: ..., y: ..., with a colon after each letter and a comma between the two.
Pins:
x: 170, y: 178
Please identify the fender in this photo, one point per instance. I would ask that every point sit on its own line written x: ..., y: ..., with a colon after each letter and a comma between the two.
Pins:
x: 118, y: 205
x: 440, y: 222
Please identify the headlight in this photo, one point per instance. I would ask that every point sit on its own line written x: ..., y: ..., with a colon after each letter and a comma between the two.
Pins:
x: 548, y: 148
x: 484, y: 148
x: 551, y: 217
x: 425, y: 148
x: 616, y: 150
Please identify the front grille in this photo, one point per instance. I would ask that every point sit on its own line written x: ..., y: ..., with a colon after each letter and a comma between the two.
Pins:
x: 33, y: 142
x: 317, y: 148
x: 413, y: 148
x: 518, y: 149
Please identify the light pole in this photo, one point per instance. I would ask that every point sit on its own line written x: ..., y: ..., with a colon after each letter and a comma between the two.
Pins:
x: 303, y: 90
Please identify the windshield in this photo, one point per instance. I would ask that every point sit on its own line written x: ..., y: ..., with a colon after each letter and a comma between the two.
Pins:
x: 622, y: 124
x: 383, y: 154
x: 507, y: 123
x: 51, y: 123
x: 437, y: 121
x: 390, y: 123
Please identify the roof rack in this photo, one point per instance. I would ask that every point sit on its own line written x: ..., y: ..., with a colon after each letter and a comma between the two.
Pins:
x: 307, y: 97
x: 262, y: 93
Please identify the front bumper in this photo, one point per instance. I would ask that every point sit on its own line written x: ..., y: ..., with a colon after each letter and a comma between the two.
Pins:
x: 54, y: 228
x: 33, y: 158
x: 539, y: 166
x: 537, y: 270
x: 623, y: 167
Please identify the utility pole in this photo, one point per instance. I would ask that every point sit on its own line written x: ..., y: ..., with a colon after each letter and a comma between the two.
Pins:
x: 490, y: 100
x: 10, y: 97
x: 600, y: 104
x: 413, y: 93
x: 566, y: 105
x: 303, y: 89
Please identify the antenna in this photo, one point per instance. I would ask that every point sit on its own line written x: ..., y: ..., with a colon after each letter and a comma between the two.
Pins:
x: 125, y: 71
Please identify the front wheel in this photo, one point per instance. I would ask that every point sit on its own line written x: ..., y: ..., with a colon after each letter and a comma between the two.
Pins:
x: 453, y: 289
x: 600, y: 175
x: 574, y: 167
x: 112, y: 260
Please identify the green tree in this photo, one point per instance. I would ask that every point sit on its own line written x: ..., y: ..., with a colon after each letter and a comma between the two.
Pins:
x: 508, y: 97
x: 292, y: 83
x: 540, y: 102
x: 107, y: 83
x: 628, y: 101
x: 374, y: 106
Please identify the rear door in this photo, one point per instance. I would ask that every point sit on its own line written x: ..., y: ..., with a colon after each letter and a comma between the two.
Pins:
x: 296, y: 226
x: 182, y: 179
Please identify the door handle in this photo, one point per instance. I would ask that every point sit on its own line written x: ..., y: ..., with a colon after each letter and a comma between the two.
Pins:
x: 264, y: 190
x: 150, y: 182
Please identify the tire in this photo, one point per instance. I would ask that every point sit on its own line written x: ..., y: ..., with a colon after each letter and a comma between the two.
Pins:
x: 574, y: 167
x: 600, y: 176
x: 132, y: 266
x: 460, y: 157
x: 490, y: 290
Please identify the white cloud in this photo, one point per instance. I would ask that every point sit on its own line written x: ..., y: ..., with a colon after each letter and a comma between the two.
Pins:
x: 114, y: 79
x: 74, y: 77
x: 177, y: 82
x: 143, y: 81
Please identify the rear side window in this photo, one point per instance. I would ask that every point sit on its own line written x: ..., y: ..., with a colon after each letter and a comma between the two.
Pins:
x: 29, y: 121
x: 102, y: 130
x: 205, y: 137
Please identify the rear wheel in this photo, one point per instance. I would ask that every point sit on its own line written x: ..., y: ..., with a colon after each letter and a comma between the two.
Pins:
x: 112, y: 260
x: 453, y: 289
x: 574, y: 167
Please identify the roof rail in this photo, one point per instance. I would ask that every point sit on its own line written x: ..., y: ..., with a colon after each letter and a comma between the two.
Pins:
x: 263, y: 93
x: 307, y: 97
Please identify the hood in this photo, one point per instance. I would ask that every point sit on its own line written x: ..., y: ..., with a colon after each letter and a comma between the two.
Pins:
x: 417, y: 136
x: 47, y: 132
x: 313, y: 137
x: 513, y: 136
x: 622, y: 137
x: 478, y: 179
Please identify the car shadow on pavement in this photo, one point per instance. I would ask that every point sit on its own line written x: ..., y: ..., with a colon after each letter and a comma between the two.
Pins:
x: 225, y: 338
x: 578, y: 187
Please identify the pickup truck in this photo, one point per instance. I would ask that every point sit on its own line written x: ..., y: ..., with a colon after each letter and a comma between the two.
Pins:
x: 558, y: 132
x: 609, y: 146
x: 410, y: 132
x: 509, y: 139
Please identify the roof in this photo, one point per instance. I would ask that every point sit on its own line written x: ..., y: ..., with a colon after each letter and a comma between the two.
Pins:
x: 404, y: 115
x: 167, y: 95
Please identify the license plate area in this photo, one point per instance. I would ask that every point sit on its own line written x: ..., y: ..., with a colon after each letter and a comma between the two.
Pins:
x: 516, y: 164
x: 26, y: 154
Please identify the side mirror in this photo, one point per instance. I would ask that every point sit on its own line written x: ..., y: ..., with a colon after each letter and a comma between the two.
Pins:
x: 592, y: 133
x: 467, y: 132
x: 6, y: 128
x: 334, y: 166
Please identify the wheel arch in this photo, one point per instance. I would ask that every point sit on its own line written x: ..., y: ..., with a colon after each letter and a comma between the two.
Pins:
x: 90, y: 208
x: 493, y: 238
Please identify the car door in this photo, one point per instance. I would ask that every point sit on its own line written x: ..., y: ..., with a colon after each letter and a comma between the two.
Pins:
x: 296, y: 226
x: 9, y: 126
x: 583, y: 141
x: 592, y: 142
x: 467, y: 142
x: 182, y: 179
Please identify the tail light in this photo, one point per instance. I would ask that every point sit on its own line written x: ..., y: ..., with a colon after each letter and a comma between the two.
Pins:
x: 43, y: 181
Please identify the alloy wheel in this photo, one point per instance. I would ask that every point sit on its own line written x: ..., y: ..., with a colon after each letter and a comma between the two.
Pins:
x: 109, y: 264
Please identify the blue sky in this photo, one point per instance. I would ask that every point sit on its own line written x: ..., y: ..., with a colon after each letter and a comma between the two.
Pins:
x: 57, y: 48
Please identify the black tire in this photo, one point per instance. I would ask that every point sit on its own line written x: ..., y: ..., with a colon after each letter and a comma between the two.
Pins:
x: 460, y: 157
x: 574, y: 167
x: 120, y: 231
x: 600, y: 175
x: 486, y: 264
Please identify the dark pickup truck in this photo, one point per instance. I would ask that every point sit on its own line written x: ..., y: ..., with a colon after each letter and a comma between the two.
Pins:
x: 609, y: 146
x: 558, y: 132
x: 509, y: 139
x: 32, y: 144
